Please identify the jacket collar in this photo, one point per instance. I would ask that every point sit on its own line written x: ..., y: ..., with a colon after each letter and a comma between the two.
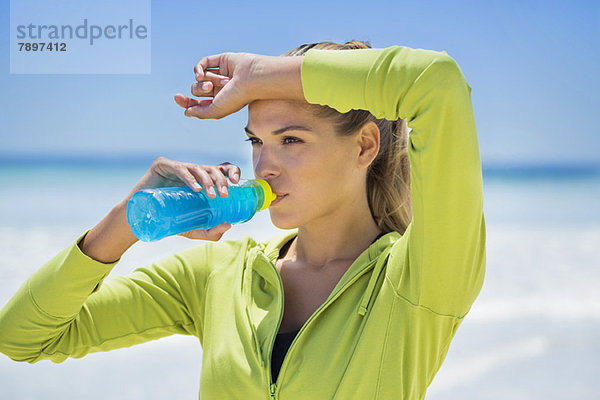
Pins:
x: 376, y: 254
x: 273, y: 247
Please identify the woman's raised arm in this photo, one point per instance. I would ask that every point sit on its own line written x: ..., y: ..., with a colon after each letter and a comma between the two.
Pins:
x: 439, y: 263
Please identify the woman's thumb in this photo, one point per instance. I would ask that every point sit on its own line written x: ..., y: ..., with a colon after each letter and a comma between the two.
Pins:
x: 203, y: 109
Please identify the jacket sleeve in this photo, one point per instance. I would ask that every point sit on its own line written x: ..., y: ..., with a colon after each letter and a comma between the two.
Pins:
x: 439, y: 263
x: 67, y: 309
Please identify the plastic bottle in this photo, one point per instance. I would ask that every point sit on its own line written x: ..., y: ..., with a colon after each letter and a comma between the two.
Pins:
x: 154, y: 214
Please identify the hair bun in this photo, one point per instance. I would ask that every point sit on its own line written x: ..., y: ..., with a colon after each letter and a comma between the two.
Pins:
x: 356, y: 44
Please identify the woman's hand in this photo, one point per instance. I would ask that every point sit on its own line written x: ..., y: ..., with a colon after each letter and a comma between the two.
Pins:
x: 234, y: 80
x: 228, y: 81
x: 170, y: 173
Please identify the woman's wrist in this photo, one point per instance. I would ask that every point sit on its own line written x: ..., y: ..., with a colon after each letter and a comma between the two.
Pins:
x: 278, y: 78
x: 109, y: 240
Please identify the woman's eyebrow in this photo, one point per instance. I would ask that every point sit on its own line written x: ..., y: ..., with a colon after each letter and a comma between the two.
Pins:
x: 282, y: 130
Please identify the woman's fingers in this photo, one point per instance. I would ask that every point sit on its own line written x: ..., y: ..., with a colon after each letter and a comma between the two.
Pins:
x: 204, y: 109
x: 198, y: 108
x: 233, y: 172
x: 216, y: 63
x: 204, y: 89
x: 198, y: 177
x: 220, y: 181
x: 227, y: 100
x: 184, y: 174
x: 205, y: 86
x: 197, y: 174
x: 189, y: 102
x: 185, y: 101
x: 201, y: 108
x: 205, y: 63
x: 210, y: 177
x: 226, y: 80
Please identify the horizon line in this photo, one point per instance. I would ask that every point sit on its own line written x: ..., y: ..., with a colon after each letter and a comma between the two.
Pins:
x: 121, y: 158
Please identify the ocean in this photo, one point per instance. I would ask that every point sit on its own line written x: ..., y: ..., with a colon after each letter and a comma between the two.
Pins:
x: 531, y: 334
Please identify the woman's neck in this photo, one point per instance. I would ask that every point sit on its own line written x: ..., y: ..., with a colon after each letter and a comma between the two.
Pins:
x: 341, y: 237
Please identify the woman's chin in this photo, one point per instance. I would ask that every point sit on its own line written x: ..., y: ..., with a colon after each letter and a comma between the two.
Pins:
x: 282, y: 223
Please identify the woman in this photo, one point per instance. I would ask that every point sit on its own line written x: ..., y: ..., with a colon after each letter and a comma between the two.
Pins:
x: 361, y: 299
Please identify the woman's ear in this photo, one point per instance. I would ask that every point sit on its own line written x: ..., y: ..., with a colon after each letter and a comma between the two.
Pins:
x: 368, y: 142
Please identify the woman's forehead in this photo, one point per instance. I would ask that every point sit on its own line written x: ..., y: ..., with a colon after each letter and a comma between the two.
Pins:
x: 259, y: 106
x: 275, y: 114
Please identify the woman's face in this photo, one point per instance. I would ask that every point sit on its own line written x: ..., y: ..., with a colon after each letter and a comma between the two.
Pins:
x: 312, y: 169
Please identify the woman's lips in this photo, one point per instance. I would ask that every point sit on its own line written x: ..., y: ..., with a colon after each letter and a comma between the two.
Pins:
x: 278, y: 199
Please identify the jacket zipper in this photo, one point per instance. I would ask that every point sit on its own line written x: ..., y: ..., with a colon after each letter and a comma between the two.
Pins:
x: 273, y: 386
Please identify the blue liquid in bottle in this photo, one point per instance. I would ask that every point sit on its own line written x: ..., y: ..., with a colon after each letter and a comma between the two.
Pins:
x: 154, y: 214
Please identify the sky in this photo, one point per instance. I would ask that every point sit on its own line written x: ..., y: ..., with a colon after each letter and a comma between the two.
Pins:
x: 532, y: 65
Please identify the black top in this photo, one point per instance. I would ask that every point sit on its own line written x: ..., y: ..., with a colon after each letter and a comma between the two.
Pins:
x: 284, y: 340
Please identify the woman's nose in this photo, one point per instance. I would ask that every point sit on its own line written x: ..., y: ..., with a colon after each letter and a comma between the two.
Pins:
x: 266, y: 164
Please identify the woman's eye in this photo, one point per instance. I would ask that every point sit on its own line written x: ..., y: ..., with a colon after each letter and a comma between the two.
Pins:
x: 253, y: 140
x: 294, y: 140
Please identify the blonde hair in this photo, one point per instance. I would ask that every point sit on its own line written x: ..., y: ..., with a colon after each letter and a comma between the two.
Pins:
x: 388, y: 176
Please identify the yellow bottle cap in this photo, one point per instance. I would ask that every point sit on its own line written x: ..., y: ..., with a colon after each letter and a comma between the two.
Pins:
x: 269, y: 195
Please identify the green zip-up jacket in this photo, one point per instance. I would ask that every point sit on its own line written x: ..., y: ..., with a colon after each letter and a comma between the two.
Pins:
x: 386, y: 327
